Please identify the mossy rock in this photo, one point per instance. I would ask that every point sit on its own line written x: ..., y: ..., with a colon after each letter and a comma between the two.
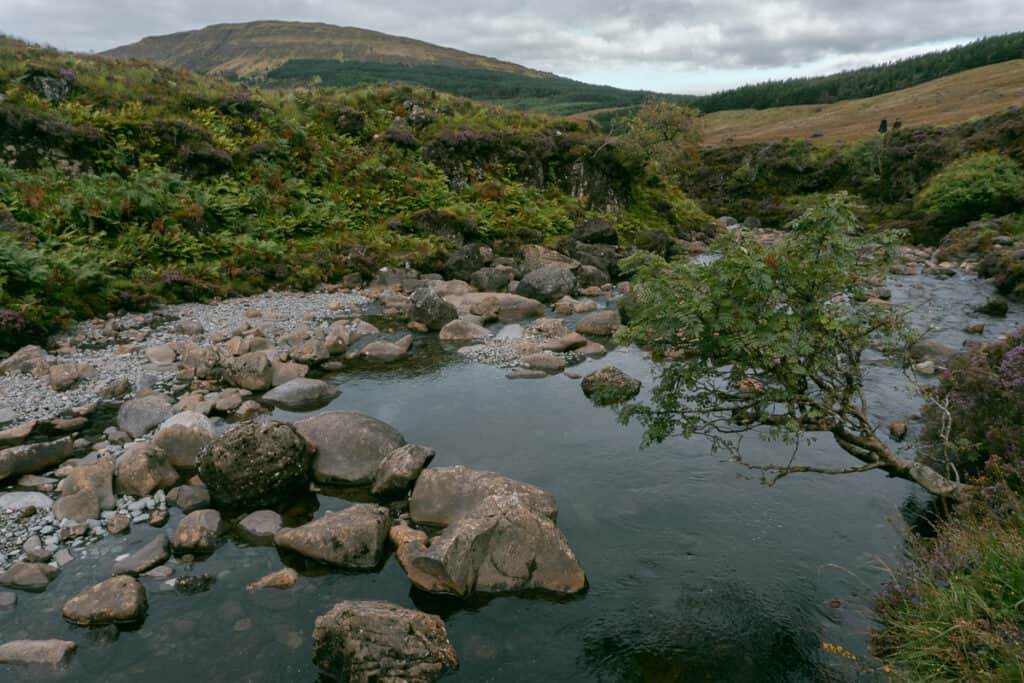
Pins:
x: 610, y: 386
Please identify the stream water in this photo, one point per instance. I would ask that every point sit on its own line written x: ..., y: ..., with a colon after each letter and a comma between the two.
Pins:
x: 695, y: 573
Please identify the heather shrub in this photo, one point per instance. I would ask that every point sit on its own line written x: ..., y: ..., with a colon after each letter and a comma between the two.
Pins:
x: 971, y: 187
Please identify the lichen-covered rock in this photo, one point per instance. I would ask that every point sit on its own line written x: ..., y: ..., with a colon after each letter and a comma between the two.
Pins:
x: 370, y: 641
x: 547, y: 284
x: 153, y: 554
x: 353, y: 538
x: 600, y: 323
x: 429, y: 308
x: 255, y: 464
x: 609, y: 386
x: 349, y: 446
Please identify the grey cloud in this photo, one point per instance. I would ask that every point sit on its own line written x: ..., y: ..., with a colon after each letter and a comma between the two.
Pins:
x: 560, y: 36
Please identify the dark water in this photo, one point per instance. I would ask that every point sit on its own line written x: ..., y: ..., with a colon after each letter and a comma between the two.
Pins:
x: 695, y: 573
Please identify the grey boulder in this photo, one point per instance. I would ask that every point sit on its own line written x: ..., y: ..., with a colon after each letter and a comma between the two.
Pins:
x: 399, y: 470
x: 52, y: 654
x: 349, y: 446
x: 300, y: 393
x: 353, y: 538
x: 446, y: 494
x: 139, y: 415
x: 547, y: 284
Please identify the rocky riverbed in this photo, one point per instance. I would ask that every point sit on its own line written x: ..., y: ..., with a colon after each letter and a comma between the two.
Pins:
x: 205, y: 418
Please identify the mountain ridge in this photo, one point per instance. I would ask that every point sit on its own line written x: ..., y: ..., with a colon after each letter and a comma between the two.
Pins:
x: 251, y: 49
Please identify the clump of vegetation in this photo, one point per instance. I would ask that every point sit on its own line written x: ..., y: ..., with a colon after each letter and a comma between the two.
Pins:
x: 982, y: 183
x: 124, y: 184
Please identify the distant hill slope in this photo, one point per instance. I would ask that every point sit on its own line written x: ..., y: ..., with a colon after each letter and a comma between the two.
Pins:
x: 552, y: 95
x: 251, y: 49
x: 941, y: 102
x: 868, y: 81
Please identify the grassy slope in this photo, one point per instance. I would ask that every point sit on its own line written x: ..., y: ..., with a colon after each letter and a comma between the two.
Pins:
x: 942, y: 102
x: 253, y: 48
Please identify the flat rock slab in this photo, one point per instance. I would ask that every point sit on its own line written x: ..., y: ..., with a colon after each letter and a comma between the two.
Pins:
x: 33, y: 577
x: 153, y: 554
x: 353, y: 538
x: 48, y: 654
x: 349, y: 446
x: 120, y: 600
x: 367, y: 641
x: 445, y: 494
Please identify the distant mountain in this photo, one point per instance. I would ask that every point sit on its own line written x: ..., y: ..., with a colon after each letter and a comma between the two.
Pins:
x: 252, y: 49
x: 281, y: 54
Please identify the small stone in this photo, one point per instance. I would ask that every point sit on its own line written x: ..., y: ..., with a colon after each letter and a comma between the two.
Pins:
x: 8, y: 600
x: 898, y: 430
x: 281, y: 580
x: 259, y: 527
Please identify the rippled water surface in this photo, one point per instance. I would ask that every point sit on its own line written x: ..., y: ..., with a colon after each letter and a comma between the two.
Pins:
x: 695, y: 573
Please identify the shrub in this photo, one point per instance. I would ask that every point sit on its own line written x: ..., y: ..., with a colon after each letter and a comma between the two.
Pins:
x: 980, y: 184
x: 979, y: 404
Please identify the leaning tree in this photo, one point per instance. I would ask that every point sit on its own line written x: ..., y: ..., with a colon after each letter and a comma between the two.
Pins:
x: 774, y: 336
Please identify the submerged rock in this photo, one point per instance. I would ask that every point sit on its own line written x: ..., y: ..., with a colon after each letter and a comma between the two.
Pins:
x: 609, y: 386
x: 255, y: 464
x: 352, y: 539
x: 49, y: 654
x: 368, y: 641
x: 120, y: 600
x: 430, y: 309
x: 349, y: 446
x: 153, y: 554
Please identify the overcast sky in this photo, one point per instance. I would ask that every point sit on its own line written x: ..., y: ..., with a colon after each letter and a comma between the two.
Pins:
x: 668, y: 45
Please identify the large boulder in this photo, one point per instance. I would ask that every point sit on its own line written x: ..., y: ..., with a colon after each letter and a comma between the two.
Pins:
x: 497, y: 306
x: 53, y: 655
x: 139, y: 415
x: 596, y: 231
x: 255, y: 464
x: 547, y: 284
x: 462, y: 330
x: 463, y: 262
x: 31, y: 360
x: 492, y: 279
x: 503, y: 545
x: 259, y: 528
x: 119, y: 600
x: 35, y: 457
x: 354, y: 538
x: 609, y: 386
x: 143, y: 469
x: 300, y: 392
x: 86, y: 490
x: 369, y: 641
x: 446, y: 494
x: 536, y: 257
x: 429, y: 308
x: 252, y: 371
x: 349, y: 446
x: 400, y: 468
x: 600, y: 323
x: 198, y: 532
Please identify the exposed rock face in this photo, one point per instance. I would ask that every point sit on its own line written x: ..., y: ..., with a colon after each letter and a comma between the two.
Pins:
x: 300, y: 392
x: 463, y: 330
x: 48, y: 654
x: 400, y: 468
x: 446, y: 494
x: 198, y: 533
x: 430, y: 309
x: 143, y: 469
x: 153, y: 554
x: 366, y: 641
x: 600, y: 323
x: 139, y: 415
x: 349, y: 446
x: 255, y: 464
x: 259, y: 527
x: 353, y: 538
x: 547, y: 284
x: 33, y: 577
x: 120, y: 600
x: 252, y: 371
x: 503, y: 545
x: 183, y: 436
x: 609, y: 386
x: 36, y: 457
